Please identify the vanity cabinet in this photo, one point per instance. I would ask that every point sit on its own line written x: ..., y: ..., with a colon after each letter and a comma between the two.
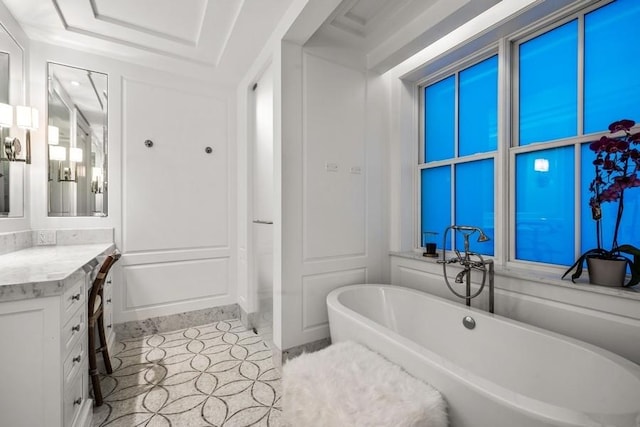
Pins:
x: 75, y: 403
x: 43, y: 357
x: 30, y: 361
x: 44, y: 378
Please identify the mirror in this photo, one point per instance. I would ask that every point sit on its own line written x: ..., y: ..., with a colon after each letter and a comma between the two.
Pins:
x: 77, y: 137
x: 12, y: 173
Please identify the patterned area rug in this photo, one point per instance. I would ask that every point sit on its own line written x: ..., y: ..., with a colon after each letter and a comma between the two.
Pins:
x: 213, y: 375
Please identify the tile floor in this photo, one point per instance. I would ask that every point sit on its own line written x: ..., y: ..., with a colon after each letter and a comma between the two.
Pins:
x: 213, y: 375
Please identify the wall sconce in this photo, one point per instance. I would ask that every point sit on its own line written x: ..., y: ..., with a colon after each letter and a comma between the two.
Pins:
x: 59, y: 154
x: 11, y: 147
x: 75, y: 154
x: 96, y: 180
x: 6, y: 115
x: 53, y: 135
x: 26, y: 118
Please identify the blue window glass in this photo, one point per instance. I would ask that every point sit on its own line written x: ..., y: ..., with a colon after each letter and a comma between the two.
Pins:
x: 439, y: 120
x: 478, y: 108
x: 630, y: 224
x: 548, y: 67
x: 474, y: 202
x: 612, y: 86
x: 436, y: 201
x: 545, y: 206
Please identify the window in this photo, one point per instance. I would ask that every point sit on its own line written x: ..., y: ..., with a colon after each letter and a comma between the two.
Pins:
x: 460, y: 142
x: 566, y: 83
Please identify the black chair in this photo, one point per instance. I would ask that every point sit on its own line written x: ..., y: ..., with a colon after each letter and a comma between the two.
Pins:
x: 96, y: 318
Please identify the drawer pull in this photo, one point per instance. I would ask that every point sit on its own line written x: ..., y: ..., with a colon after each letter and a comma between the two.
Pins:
x: 75, y: 328
x: 109, y: 326
x: 109, y: 301
x: 77, y: 359
x: 109, y: 281
x: 77, y: 401
x: 75, y: 297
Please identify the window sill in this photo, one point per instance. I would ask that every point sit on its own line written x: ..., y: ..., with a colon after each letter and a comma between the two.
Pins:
x: 544, y: 277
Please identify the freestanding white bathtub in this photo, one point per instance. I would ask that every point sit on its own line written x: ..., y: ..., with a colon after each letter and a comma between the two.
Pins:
x: 502, y: 373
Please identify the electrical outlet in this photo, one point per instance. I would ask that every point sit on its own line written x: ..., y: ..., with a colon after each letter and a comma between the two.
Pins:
x: 46, y: 237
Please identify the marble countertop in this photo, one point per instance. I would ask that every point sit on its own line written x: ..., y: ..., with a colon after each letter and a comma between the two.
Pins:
x: 40, y: 270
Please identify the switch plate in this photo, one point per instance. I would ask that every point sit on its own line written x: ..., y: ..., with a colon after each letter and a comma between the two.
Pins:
x: 331, y: 167
x: 46, y: 237
x: 356, y: 170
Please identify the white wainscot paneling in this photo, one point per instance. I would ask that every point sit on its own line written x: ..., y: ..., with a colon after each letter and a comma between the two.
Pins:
x: 334, y: 160
x: 315, y: 289
x: 175, y: 194
x: 610, y: 322
x: 433, y: 283
x: 30, y: 358
x: 151, y: 290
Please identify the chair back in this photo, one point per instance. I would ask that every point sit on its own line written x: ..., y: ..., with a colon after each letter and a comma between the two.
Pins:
x: 98, y: 282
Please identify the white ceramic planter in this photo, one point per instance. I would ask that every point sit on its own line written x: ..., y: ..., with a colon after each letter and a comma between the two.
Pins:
x: 607, y: 272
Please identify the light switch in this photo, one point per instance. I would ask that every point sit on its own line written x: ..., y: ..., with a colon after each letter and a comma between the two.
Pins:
x: 356, y: 170
x: 331, y: 167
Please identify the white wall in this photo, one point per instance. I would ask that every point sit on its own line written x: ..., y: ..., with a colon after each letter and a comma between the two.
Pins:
x: 300, y: 21
x: 172, y: 206
x: 331, y: 184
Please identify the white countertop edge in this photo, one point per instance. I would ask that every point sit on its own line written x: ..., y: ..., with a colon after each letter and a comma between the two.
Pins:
x: 41, y: 270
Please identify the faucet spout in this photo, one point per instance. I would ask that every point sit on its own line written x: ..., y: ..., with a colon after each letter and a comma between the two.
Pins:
x: 460, y: 276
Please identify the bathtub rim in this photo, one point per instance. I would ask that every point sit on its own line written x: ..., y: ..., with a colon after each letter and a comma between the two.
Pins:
x: 496, y: 392
x: 332, y: 298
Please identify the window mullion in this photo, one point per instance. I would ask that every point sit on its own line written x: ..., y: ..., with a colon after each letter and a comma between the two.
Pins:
x: 577, y: 149
x: 580, y: 79
x: 456, y: 153
x: 502, y: 184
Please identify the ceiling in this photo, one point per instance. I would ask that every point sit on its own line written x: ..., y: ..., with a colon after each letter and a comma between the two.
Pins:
x: 218, y: 38
x: 389, y: 31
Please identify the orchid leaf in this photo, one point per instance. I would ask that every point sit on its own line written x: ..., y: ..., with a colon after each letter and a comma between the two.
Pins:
x: 578, y: 265
x: 634, y: 265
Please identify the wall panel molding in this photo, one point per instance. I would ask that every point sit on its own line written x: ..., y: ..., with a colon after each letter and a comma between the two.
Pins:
x: 334, y: 161
x: 315, y: 289
x: 166, y: 288
x: 177, y: 196
x: 154, y: 257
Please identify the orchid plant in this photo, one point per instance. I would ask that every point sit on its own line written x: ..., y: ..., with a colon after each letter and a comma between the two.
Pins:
x: 617, y: 166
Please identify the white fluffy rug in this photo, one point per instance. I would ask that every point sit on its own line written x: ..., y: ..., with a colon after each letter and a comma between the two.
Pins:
x: 348, y: 385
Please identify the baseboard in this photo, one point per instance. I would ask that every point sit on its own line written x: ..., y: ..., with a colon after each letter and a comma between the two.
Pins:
x: 154, y: 325
x: 309, y: 347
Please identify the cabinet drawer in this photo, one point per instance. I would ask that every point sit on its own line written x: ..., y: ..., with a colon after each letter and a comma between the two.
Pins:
x: 74, y: 361
x: 73, y: 398
x: 73, y: 298
x: 73, y: 329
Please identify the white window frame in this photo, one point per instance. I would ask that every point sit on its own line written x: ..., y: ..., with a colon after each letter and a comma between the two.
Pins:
x: 507, y: 145
x: 454, y: 69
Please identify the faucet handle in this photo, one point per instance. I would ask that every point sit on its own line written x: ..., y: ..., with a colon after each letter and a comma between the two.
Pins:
x: 448, y: 261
